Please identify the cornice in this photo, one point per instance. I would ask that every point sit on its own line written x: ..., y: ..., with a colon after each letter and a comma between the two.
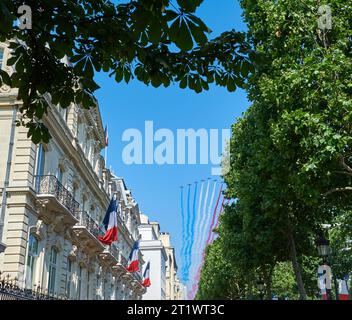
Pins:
x: 68, y: 143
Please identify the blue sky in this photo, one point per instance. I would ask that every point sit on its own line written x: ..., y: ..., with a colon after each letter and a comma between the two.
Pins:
x: 157, y: 188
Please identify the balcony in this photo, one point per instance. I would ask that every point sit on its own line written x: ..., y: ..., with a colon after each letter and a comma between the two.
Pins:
x: 120, y: 267
x: 53, y: 197
x: 87, y: 231
x: 110, y: 255
x: 11, y: 290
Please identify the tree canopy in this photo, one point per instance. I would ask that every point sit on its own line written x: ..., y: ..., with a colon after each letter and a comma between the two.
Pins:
x: 158, y: 42
x: 291, y: 151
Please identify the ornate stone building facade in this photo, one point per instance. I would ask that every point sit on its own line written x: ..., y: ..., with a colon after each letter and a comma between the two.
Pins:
x: 53, y: 199
x: 174, y: 288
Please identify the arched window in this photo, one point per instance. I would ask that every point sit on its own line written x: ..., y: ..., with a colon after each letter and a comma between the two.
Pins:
x: 52, y: 270
x: 32, y: 256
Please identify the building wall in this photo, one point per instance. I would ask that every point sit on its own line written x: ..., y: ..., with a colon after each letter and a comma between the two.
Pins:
x: 173, y: 285
x: 153, y: 251
x: 52, y: 220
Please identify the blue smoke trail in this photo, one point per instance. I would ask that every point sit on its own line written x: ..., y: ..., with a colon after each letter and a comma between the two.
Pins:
x: 183, y: 235
x: 188, y: 231
x: 200, y: 227
x: 191, y: 233
x: 196, y: 224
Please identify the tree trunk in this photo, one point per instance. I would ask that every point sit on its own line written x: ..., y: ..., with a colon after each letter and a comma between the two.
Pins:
x: 296, y: 267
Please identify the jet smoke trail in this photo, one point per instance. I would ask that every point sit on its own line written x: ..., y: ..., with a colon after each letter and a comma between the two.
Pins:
x: 214, y: 217
x: 199, y: 229
x: 218, y: 219
x: 187, y: 224
x: 206, y: 220
x: 183, y: 234
x: 188, y: 249
x: 196, y: 223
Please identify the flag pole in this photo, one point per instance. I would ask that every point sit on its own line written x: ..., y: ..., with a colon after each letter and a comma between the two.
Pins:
x: 106, y: 156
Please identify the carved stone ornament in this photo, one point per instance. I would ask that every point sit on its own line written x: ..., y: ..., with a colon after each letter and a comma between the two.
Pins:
x: 73, y: 253
x: 39, y: 230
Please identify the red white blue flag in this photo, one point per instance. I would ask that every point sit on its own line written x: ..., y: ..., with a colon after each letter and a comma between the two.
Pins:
x: 146, y: 276
x: 110, y: 224
x: 133, y: 259
x: 343, y: 289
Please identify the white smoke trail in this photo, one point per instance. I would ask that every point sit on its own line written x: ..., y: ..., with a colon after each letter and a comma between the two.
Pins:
x: 198, y: 250
x: 196, y: 233
x: 207, y: 220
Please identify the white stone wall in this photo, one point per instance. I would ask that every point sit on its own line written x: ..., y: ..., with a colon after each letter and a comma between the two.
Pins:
x: 77, y: 140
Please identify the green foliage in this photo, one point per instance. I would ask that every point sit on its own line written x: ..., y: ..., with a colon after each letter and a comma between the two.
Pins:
x: 219, y: 278
x: 340, y: 235
x: 155, y: 41
x: 284, y: 283
x: 291, y: 151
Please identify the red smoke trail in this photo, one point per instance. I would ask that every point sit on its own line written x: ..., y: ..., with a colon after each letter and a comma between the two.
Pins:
x: 213, y: 219
x: 197, y: 277
x: 217, y: 222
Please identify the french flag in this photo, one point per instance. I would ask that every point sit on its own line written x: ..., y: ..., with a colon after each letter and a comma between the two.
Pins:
x: 343, y: 290
x: 133, y: 261
x: 110, y: 224
x: 146, y: 276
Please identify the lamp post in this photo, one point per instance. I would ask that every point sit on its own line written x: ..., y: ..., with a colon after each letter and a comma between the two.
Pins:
x: 324, y: 251
x: 323, y: 246
x: 260, y: 286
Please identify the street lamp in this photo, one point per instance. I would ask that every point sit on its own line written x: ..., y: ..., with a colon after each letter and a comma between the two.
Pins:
x: 324, y: 251
x: 260, y: 286
x: 323, y: 246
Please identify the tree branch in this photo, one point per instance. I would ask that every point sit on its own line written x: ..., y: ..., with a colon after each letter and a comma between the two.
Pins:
x: 344, y: 165
x: 343, y: 189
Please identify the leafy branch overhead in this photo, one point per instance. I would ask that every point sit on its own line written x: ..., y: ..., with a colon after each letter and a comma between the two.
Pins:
x: 159, y: 42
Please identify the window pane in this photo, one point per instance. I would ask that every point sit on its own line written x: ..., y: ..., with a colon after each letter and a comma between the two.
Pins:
x: 41, y: 160
x: 53, y: 256
x: 1, y: 56
x: 31, y: 261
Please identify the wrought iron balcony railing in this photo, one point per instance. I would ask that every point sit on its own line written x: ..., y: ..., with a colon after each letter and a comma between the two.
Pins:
x: 85, y: 220
x: 50, y: 185
x: 114, y: 251
x: 137, y: 276
x: 9, y: 290
x: 122, y: 260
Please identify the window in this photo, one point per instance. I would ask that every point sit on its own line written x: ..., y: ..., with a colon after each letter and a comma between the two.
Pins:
x: 88, y: 285
x: 40, y: 160
x: 79, y: 283
x: 52, y: 270
x: 83, y: 203
x: 1, y: 57
x: 31, y: 261
x: 68, y: 278
x: 40, y: 166
x: 59, y: 174
x: 67, y: 114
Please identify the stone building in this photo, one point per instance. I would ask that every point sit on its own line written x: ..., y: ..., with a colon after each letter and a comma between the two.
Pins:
x: 53, y: 200
x: 174, y: 288
x: 154, y: 252
x: 157, y: 249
